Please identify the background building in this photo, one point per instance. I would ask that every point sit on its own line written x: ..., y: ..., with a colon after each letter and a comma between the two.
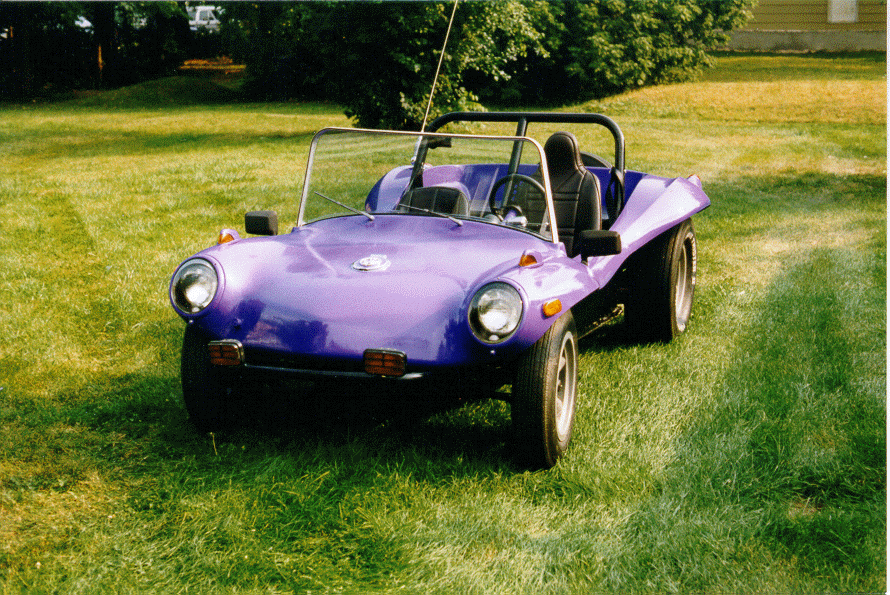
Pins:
x: 812, y: 25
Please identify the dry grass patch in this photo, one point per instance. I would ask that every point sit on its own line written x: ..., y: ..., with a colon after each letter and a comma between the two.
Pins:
x: 785, y: 102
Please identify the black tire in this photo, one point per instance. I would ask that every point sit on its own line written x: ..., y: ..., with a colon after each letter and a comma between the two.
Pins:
x: 662, y: 285
x: 207, y: 397
x: 544, y: 395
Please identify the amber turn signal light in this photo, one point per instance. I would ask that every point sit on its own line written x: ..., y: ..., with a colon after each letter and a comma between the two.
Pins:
x: 385, y: 362
x: 552, y: 307
x: 226, y: 353
x: 527, y: 260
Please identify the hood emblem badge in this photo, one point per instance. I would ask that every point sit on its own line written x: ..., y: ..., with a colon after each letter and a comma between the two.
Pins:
x: 374, y: 262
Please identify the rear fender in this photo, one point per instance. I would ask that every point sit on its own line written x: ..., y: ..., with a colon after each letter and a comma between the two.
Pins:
x: 656, y: 205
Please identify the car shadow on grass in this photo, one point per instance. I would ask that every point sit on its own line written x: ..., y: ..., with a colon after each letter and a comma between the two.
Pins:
x: 390, y: 424
x: 430, y: 423
x: 138, y: 428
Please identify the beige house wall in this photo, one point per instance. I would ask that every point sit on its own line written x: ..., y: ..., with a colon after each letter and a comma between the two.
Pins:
x: 813, y: 15
x: 811, y: 25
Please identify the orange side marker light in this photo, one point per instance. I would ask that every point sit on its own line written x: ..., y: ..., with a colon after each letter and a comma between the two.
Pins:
x: 552, y: 308
x: 527, y: 260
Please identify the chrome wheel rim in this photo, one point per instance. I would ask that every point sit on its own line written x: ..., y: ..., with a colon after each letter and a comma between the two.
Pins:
x: 685, y: 285
x: 566, y: 380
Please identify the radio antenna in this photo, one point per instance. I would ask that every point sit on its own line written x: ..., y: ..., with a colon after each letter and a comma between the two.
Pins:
x: 439, y: 67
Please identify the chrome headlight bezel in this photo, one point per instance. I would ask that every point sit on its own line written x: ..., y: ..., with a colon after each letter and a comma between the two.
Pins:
x: 495, y: 312
x: 194, y: 286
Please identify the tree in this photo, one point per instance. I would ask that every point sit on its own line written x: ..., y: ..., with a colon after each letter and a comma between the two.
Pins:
x: 397, y: 53
x: 135, y: 41
x: 45, y: 47
x: 32, y: 35
x: 379, y: 59
x: 671, y: 40
x: 602, y: 47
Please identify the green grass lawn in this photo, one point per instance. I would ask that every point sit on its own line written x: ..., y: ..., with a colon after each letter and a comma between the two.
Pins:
x: 748, y: 456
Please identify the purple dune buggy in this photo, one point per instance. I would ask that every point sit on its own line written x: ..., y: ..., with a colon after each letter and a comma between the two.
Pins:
x: 443, y: 260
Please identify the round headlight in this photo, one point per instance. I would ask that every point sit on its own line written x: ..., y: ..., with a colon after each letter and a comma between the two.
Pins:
x: 194, y: 286
x: 495, y: 312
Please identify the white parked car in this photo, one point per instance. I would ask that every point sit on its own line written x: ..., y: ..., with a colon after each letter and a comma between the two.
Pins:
x: 204, y: 18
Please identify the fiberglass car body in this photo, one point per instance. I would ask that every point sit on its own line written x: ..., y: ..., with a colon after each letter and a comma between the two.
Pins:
x: 477, y: 260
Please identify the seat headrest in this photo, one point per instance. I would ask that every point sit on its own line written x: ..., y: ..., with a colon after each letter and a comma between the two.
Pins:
x: 441, y: 199
x: 563, y: 152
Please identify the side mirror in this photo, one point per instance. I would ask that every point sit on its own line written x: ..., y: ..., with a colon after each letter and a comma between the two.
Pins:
x: 599, y: 242
x: 261, y: 223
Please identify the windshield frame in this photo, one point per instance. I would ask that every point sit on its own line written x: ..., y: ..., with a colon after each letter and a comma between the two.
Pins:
x: 512, y: 164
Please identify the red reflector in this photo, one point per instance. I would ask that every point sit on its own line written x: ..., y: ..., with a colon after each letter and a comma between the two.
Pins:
x: 382, y: 362
x: 226, y: 353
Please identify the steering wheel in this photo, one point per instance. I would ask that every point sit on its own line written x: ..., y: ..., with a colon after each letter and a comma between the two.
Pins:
x: 497, y: 185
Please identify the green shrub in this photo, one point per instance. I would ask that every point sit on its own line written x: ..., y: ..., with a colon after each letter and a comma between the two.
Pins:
x: 379, y: 59
x: 603, y: 47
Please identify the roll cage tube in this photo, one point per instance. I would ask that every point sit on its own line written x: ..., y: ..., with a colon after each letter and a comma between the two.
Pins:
x: 522, y: 119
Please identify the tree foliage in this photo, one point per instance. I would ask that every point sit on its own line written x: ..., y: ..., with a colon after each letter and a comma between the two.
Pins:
x: 602, y: 47
x: 139, y: 40
x: 31, y: 37
x: 379, y: 59
x: 62, y: 45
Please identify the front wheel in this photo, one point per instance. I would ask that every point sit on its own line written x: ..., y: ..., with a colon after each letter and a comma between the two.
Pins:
x: 543, y: 408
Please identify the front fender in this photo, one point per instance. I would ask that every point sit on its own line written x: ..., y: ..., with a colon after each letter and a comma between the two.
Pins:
x: 557, y: 278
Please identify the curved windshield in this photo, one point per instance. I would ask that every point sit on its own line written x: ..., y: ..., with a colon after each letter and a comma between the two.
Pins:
x: 500, y: 180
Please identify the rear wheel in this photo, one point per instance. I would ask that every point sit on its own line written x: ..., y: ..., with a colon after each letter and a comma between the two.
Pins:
x: 543, y: 408
x: 662, y: 285
x: 207, y: 397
